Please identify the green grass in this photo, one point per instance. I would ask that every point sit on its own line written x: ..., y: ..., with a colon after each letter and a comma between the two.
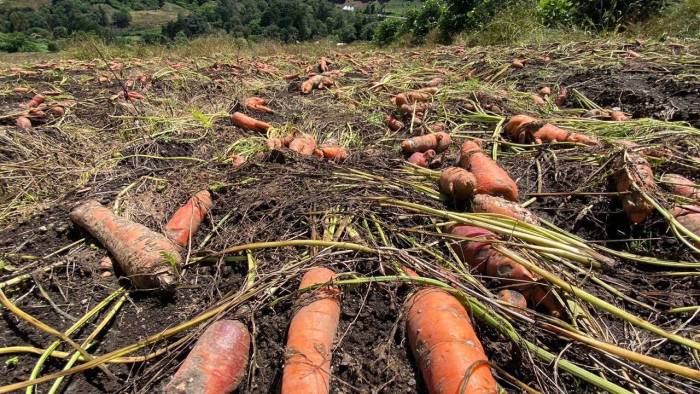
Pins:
x: 34, y: 4
x: 398, y: 7
x: 150, y: 18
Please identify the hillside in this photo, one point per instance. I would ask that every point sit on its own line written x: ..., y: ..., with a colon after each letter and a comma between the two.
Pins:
x: 582, y: 279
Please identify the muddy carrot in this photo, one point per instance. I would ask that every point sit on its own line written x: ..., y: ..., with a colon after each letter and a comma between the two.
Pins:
x: 438, y: 142
x: 513, y: 298
x: 490, y: 177
x: 246, y: 122
x: 483, y: 203
x: 35, y: 101
x: 457, y: 183
x: 335, y: 153
x: 279, y: 143
x: 393, y: 123
x: 303, y: 144
x: 523, y: 128
x: 422, y: 159
x: 23, y: 123
x: 310, y: 338
x: 680, y: 185
x: 446, y: 348
x: 146, y: 257
x: 186, y: 220
x: 258, y: 104
x: 474, y: 252
x: 637, y: 173
x: 316, y: 82
x: 217, y: 362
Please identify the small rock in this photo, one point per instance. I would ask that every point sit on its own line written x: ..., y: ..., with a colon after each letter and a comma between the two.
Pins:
x: 43, y: 229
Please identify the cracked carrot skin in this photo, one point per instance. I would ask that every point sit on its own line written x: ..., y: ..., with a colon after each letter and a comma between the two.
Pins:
x: 186, y: 220
x: 145, y: 256
x: 217, y: 362
x: 310, y: 337
x: 446, y: 348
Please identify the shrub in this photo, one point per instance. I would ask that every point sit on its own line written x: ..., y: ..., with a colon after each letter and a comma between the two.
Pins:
x: 387, y: 31
x: 420, y: 21
x: 121, y: 19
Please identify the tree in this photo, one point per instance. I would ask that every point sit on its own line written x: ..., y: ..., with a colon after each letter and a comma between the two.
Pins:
x: 121, y: 19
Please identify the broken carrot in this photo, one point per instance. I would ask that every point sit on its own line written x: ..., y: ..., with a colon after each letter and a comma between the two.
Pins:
x: 258, y: 104
x: 303, y: 144
x: 334, y: 153
x: 310, y: 338
x: 393, y: 123
x: 316, y: 82
x: 512, y: 298
x: 457, y: 183
x: 186, y: 220
x: 422, y: 159
x: 490, y: 177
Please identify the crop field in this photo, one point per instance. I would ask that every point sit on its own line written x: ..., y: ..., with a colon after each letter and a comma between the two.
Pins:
x: 543, y: 201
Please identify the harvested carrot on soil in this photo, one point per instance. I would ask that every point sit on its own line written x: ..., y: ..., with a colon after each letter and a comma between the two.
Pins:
x: 316, y: 82
x: 689, y: 217
x: 457, y: 183
x: 438, y: 142
x: 680, y: 185
x: 513, y: 298
x: 517, y: 63
x: 258, y: 104
x: 631, y: 177
x: 35, y: 101
x: 23, y: 123
x: 217, y: 362
x: 435, y: 82
x: 310, y: 338
x: 279, y: 143
x: 393, y: 123
x: 446, y: 348
x: 246, y: 122
x: 237, y: 161
x: 323, y: 64
x: 544, y: 91
x: 618, y: 116
x: 414, y: 96
x: 490, y: 177
x: 474, y: 252
x: 561, y: 96
x: 335, y: 153
x: 538, y: 100
x: 146, y: 257
x: 422, y: 159
x: 186, y: 220
x: 523, y: 128
x: 20, y: 90
x: 57, y: 110
x: 303, y: 144
x: 483, y: 203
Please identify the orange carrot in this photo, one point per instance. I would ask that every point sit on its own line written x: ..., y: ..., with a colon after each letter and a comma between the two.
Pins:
x: 246, y: 122
x: 523, y: 128
x: 438, y: 142
x: 689, y: 217
x: 237, y: 161
x: 538, y: 100
x: 490, y: 177
x: 513, y: 298
x: 23, y: 123
x: 393, y: 123
x: 57, y: 110
x: 323, y: 63
x: 147, y: 258
x: 310, y: 337
x: 436, y: 127
x: 21, y: 90
x: 639, y: 173
x: 475, y: 252
x: 517, y: 63
x: 335, y: 153
x: 186, y: 220
x: 414, y: 96
x: 446, y: 348
x: 561, y: 96
x: 279, y: 143
x: 303, y: 144
x: 35, y: 101
x: 217, y: 362
x: 422, y: 159
x: 435, y: 82
x: 457, y: 183
x: 492, y: 204
x: 258, y: 104
x: 618, y: 116
x: 316, y: 82
x: 681, y: 185
x: 544, y: 91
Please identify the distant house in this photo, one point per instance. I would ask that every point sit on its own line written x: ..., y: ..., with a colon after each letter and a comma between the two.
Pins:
x: 349, y: 8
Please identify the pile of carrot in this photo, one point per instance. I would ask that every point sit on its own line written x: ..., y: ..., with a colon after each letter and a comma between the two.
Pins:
x: 477, y: 252
x: 246, y: 122
x: 633, y: 178
x: 524, y: 129
x: 37, y: 108
x: 310, y: 337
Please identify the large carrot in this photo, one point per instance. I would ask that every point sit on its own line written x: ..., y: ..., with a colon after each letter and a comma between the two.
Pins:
x: 303, y: 144
x: 490, y: 177
x: 186, y: 220
x: 334, y: 153
x: 680, y: 185
x: 217, y: 362
x: 246, y: 122
x: 457, y: 183
x: 446, y: 348
x: 438, y: 142
x: 523, y: 128
x: 258, y: 104
x: 483, y: 203
x: 310, y: 338
x: 147, y: 258
x: 637, y: 173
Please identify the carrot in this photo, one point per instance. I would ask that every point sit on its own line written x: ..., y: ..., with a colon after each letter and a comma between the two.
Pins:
x: 23, y: 123
x: 316, y: 82
x: 303, y: 144
x: 483, y: 203
x: 310, y: 337
x: 618, y: 116
x: 457, y: 183
x: 680, y: 185
x: 217, y: 362
x: 20, y: 90
x: 146, y: 257
x: 418, y: 108
x: 57, y: 110
x: 689, y: 217
x: 561, y: 96
x: 490, y: 177
x: 436, y: 127
x: 438, y: 142
x: 323, y: 63
x: 393, y: 123
x: 446, y: 348
x: 517, y: 63
x: 513, y: 298
x: 335, y: 153
x: 414, y: 96
x: 523, y: 128
x: 258, y: 104
x: 237, y: 161
x: 538, y: 100
x: 35, y: 101
x: 435, y: 82
x: 544, y: 91
x: 186, y: 220
x: 640, y: 174
x: 475, y: 253
x: 279, y: 143
x: 246, y: 122
x: 422, y: 159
